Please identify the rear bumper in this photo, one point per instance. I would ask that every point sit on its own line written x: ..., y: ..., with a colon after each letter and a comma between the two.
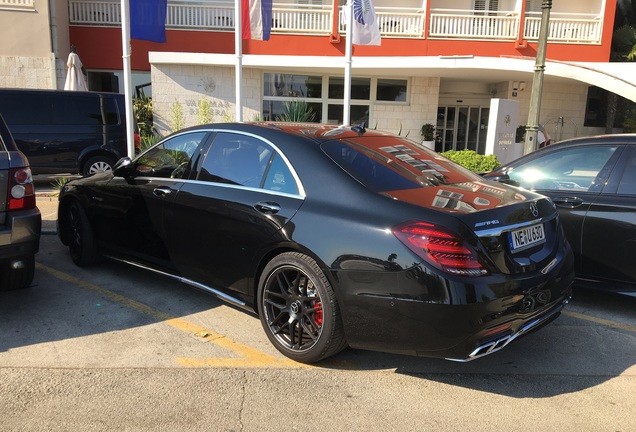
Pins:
x: 417, y: 312
x: 20, y: 236
x: 503, y: 341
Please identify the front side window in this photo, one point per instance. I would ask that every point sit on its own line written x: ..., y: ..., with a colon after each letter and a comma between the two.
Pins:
x: 571, y: 169
x: 171, y: 158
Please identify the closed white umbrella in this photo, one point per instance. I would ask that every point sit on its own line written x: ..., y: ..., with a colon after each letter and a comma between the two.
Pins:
x: 74, y: 77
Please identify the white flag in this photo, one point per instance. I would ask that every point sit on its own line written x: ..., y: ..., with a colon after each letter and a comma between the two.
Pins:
x: 365, y: 30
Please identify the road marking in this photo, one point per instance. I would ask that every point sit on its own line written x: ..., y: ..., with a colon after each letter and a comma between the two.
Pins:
x: 249, y: 357
x: 601, y: 321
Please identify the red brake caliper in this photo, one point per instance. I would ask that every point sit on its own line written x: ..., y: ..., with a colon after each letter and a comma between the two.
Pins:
x: 318, y: 313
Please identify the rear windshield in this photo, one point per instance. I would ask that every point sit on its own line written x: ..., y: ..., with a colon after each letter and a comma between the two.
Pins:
x: 58, y: 109
x: 385, y: 164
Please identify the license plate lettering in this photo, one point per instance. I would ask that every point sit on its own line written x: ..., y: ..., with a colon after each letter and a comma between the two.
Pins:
x: 526, y: 237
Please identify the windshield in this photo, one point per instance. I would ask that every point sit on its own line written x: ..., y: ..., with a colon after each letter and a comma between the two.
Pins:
x: 385, y: 164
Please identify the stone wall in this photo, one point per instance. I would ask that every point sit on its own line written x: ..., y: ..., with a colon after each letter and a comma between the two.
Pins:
x: 187, y: 88
x: 201, y: 94
x: 27, y: 72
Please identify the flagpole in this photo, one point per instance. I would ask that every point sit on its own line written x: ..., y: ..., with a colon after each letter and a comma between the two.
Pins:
x: 346, y: 115
x: 125, y: 42
x: 238, y: 43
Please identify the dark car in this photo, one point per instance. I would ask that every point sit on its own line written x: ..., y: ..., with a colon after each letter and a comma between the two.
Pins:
x: 333, y: 236
x: 592, y: 181
x: 20, y: 220
x: 66, y: 131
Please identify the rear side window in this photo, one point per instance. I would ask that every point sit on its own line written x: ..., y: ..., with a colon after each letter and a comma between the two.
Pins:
x: 59, y: 109
x: 236, y: 159
x: 385, y: 164
x: 627, y: 186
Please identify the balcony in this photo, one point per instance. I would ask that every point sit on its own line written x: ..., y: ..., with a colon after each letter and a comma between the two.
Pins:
x: 17, y: 4
x: 394, y: 22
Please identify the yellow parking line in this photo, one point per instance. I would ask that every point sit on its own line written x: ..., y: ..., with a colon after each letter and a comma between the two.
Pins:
x: 601, y: 321
x: 249, y: 357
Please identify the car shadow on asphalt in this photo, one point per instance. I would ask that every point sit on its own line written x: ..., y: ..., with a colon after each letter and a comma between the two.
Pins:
x: 592, y: 342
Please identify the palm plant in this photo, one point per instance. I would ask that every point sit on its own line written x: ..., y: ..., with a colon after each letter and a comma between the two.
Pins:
x: 297, y: 111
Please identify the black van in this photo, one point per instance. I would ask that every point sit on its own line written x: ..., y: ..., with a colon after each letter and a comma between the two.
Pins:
x: 66, y: 131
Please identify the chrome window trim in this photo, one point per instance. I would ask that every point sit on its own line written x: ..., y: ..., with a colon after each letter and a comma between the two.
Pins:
x: 226, y: 185
x: 301, y: 189
x: 299, y: 184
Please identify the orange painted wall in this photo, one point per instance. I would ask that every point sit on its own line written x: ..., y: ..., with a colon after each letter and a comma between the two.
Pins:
x: 101, y: 47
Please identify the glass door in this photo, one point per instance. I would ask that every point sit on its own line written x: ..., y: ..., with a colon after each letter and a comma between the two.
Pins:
x: 461, y: 128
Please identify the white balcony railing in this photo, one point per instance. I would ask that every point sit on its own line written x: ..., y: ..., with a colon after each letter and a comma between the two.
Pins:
x: 566, y: 28
x: 317, y: 20
x: 471, y: 24
x: 17, y: 4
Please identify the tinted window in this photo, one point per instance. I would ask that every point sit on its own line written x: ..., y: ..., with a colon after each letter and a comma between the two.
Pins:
x: 627, y: 186
x: 570, y: 169
x: 171, y: 158
x: 59, y: 109
x: 279, y: 177
x: 236, y: 159
x: 387, y: 164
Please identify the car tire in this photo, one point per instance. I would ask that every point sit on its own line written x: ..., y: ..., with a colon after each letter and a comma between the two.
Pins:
x: 298, y: 309
x: 20, y: 278
x: 82, y: 245
x: 98, y: 164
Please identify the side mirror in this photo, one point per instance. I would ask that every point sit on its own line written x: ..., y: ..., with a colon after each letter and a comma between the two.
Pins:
x: 123, y: 167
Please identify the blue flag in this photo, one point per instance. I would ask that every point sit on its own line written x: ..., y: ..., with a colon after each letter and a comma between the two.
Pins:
x: 148, y: 20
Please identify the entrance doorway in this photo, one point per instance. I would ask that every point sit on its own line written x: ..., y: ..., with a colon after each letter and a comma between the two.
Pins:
x: 462, y: 128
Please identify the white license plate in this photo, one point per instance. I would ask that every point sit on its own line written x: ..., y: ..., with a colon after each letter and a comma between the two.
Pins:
x: 526, y: 237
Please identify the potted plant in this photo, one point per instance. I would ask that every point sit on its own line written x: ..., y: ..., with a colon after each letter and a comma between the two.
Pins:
x: 520, y: 135
x: 428, y: 135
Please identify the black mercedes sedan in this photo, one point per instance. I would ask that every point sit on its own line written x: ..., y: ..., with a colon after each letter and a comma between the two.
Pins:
x: 592, y: 181
x: 334, y: 236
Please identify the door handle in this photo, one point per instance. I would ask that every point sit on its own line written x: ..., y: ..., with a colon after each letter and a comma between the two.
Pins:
x: 267, y: 207
x: 569, y: 202
x: 161, y: 191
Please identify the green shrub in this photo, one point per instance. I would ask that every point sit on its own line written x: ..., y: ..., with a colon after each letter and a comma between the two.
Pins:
x: 471, y: 160
x: 142, y: 108
x: 178, y: 117
x: 148, y: 141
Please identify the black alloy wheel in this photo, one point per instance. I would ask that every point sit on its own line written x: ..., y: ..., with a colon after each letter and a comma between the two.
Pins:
x: 82, y: 246
x: 298, y: 309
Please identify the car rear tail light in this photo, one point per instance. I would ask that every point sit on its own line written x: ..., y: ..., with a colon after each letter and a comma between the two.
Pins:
x: 441, y: 248
x: 21, y: 190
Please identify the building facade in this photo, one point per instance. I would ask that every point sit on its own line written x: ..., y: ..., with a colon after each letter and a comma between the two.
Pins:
x: 440, y: 62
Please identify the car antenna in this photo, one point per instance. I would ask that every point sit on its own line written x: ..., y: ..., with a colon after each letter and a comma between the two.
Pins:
x: 360, y: 129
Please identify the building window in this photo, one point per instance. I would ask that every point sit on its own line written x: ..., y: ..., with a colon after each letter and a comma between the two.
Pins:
x: 391, y: 90
x: 292, y: 86
x: 325, y: 95
x: 597, y: 108
x: 360, y: 88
